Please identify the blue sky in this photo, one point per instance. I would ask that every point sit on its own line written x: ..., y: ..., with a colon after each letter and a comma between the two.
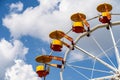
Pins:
x: 24, y: 34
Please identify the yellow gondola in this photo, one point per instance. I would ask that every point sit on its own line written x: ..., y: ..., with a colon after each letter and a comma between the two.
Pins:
x: 57, y: 34
x: 41, y: 71
x: 78, y: 27
x: 105, y: 12
x: 79, y: 19
x: 46, y: 59
x: 56, y: 43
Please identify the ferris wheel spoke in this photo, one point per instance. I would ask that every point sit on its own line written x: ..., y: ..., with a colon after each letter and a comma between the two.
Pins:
x: 74, y: 61
x: 100, y: 54
x: 91, y: 69
x: 98, y: 59
x: 68, y: 31
x: 51, y: 52
x: 118, y: 41
x: 115, y: 13
x: 93, y: 18
x: 115, y: 48
x: 103, y: 51
x: 79, y: 72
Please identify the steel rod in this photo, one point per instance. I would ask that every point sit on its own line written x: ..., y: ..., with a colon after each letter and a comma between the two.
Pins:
x: 103, y: 51
x: 116, y: 49
x: 98, y: 59
x: 90, y: 69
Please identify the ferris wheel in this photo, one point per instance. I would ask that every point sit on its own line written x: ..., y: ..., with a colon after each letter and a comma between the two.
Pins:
x: 98, y: 49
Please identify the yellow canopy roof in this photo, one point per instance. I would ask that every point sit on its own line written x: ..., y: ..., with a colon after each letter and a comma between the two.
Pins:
x: 101, y: 7
x: 78, y: 17
x: 43, y: 59
x: 56, y: 34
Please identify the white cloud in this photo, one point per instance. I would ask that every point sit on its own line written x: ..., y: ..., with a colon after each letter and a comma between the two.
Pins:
x: 10, y: 51
x: 75, y: 56
x: 36, y: 22
x: 41, y: 20
x: 20, y: 71
x: 15, y: 7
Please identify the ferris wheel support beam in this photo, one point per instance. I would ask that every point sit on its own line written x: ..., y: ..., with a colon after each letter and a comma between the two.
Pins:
x: 116, y: 49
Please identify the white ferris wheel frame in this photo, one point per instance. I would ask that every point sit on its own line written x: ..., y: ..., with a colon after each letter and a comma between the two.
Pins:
x: 114, y: 69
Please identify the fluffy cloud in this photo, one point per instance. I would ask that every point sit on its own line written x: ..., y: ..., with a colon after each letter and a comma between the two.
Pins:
x: 16, y: 7
x: 75, y: 56
x: 21, y: 71
x: 33, y: 21
x: 49, y: 15
x: 10, y: 51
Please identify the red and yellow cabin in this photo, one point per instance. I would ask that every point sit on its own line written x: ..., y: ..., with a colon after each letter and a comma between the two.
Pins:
x: 106, y: 17
x: 56, y: 45
x: 105, y: 12
x: 40, y: 70
x: 78, y: 27
x: 79, y: 20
